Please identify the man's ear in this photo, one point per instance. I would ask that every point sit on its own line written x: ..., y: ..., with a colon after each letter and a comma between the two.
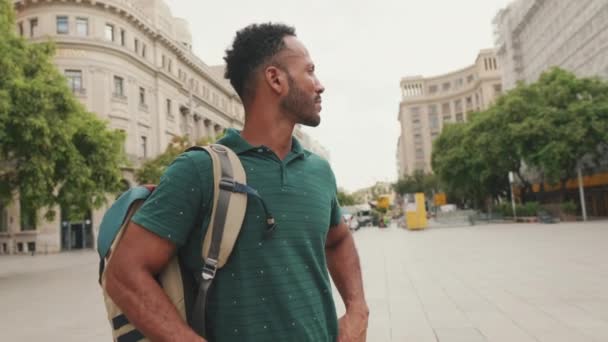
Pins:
x: 276, y: 80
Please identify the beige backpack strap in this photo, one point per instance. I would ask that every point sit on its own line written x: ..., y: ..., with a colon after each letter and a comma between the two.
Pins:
x: 229, y: 206
x: 227, y: 214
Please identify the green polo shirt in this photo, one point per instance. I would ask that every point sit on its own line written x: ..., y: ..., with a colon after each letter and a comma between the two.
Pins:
x: 273, y: 288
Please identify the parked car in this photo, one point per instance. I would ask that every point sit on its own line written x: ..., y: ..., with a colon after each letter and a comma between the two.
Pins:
x: 365, y: 219
x: 351, y: 221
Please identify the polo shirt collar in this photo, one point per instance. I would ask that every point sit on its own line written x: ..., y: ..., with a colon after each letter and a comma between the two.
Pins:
x: 233, y: 139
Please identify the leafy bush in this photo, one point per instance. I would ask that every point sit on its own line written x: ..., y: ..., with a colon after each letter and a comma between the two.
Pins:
x: 569, y: 207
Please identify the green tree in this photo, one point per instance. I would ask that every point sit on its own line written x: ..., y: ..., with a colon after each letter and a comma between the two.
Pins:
x: 569, y: 122
x: 152, y: 169
x: 346, y: 199
x: 418, y: 182
x: 544, y: 129
x: 52, y: 151
x: 457, y: 164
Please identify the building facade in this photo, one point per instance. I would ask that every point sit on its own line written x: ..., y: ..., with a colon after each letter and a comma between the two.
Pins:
x: 428, y: 104
x: 534, y: 35
x: 131, y: 63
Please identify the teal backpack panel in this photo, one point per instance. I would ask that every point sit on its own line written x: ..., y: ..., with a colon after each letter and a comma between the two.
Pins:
x: 115, y: 216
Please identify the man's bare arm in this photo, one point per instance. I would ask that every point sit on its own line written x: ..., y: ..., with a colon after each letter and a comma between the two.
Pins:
x: 345, y: 269
x: 130, y: 282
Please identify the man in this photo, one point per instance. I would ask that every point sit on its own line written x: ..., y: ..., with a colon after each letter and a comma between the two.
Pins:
x: 273, y: 288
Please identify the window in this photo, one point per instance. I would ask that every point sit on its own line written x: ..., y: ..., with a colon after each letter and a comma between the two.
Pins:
x: 470, y: 78
x: 74, y: 80
x: 20, y: 28
x: 122, y: 37
x: 33, y: 27
x: 142, y: 96
x: 447, y: 117
x: 434, y: 121
x: 63, y: 25
x: 433, y: 89
x: 445, y: 108
x: 458, y: 105
x: 446, y: 86
x: 458, y: 83
x: 136, y: 45
x: 143, y: 50
x: 419, y: 153
x: 110, y: 32
x: 82, y: 27
x: 170, y: 65
x: 432, y: 109
x: 169, y: 111
x: 497, y: 89
x: 469, y: 100
x: 28, y: 217
x: 144, y: 147
x: 119, y: 86
x: 459, y: 117
x: 164, y: 64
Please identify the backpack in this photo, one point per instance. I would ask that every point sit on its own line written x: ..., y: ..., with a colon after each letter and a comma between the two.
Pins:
x: 227, y: 214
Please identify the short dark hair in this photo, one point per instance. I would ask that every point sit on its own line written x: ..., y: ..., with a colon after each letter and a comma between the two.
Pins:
x: 253, y: 46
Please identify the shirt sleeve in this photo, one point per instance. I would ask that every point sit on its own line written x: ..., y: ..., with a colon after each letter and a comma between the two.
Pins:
x: 336, y: 211
x: 173, y: 209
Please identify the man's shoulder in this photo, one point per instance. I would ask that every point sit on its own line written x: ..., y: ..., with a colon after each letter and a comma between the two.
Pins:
x: 191, y: 166
x: 317, y: 161
x: 199, y: 158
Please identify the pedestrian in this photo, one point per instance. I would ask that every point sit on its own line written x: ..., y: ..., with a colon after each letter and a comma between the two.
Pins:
x: 274, y: 287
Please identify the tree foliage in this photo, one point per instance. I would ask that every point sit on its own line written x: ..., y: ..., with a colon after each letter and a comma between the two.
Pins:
x: 52, y: 151
x: 152, y: 169
x: 544, y: 129
x: 346, y: 199
x: 418, y: 182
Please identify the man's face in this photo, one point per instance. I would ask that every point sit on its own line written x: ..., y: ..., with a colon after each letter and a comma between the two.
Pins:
x: 303, y: 100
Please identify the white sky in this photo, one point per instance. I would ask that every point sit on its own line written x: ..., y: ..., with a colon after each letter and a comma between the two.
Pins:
x: 361, y: 50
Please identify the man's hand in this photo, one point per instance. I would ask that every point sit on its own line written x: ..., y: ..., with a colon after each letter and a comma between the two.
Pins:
x: 352, y: 327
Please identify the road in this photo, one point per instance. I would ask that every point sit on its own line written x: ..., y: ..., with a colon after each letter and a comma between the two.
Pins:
x: 507, y: 282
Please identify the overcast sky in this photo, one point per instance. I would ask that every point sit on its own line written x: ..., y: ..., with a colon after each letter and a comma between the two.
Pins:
x: 361, y: 50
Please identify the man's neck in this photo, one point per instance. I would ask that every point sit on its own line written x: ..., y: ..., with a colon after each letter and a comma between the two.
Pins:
x: 275, y: 134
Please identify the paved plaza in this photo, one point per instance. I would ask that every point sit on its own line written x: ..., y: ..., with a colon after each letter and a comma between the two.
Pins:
x: 516, y: 283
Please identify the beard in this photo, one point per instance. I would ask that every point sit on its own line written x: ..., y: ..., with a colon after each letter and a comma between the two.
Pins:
x: 300, y: 105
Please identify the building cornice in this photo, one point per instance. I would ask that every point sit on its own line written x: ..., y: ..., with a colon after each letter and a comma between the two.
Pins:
x: 126, y: 10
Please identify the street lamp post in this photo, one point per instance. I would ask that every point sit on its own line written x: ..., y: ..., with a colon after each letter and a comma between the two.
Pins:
x: 581, y: 191
x: 511, y: 180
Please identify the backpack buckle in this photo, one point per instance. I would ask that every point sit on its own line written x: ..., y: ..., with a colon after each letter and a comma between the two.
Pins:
x: 209, y: 269
x: 227, y: 184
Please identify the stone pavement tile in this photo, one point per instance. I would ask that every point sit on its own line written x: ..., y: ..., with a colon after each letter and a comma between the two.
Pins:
x: 569, y: 315
x: 534, y: 321
x: 408, y: 320
x: 64, y: 303
x: 596, y: 308
x: 378, y: 330
x: 496, y: 327
x: 459, y: 335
